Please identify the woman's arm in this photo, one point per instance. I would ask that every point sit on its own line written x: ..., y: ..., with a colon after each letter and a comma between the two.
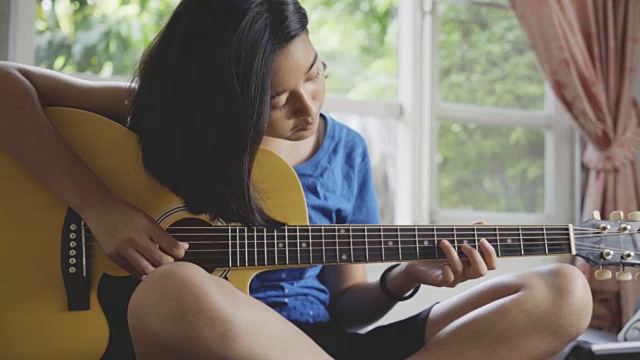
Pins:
x: 27, y: 136
x: 356, y: 302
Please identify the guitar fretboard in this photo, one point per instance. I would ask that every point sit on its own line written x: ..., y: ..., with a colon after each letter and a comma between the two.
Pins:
x: 238, y: 246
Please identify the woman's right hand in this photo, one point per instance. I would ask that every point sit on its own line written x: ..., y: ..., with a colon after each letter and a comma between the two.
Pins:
x: 132, y: 239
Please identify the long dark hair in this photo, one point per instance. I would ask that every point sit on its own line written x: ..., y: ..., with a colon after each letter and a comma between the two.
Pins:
x: 203, y: 100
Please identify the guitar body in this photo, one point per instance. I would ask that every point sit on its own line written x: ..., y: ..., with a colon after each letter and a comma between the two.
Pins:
x: 35, y: 322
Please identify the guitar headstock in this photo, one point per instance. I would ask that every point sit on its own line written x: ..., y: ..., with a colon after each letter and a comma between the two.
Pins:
x: 613, y: 242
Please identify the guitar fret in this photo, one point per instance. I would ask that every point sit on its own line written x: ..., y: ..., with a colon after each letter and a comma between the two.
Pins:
x: 324, y: 252
x: 286, y: 244
x: 310, y: 248
x: 475, y: 236
x: 498, y: 238
x: 435, y: 241
x: 521, y: 240
x: 417, y: 242
x: 246, y: 248
x: 351, y: 241
x: 264, y: 240
x: 455, y: 239
x: 238, y: 245
x: 255, y: 248
x: 338, y: 255
x: 275, y: 246
x: 366, y: 243
x: 399, y: 244
x: 298, y: 238
x: 382, y: 242
x: 230, y: 264
x: 546, y: 246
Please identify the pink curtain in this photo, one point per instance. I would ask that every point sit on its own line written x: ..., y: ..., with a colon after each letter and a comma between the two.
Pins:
x: 588, y: 51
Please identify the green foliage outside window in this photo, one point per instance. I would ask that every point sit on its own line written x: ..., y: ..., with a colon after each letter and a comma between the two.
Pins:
x: 484, y: 60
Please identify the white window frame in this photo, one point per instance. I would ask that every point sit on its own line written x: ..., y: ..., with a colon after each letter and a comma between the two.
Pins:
x: 22, y: 31
x: 416, y: 112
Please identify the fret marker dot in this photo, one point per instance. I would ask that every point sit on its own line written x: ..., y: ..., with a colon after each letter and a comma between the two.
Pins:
x: 426, y: 242
x: 466, y: 242
x: 280, y: 245
x: 390, y: 243
x: 304, y: 244
x: 344, y: 257
x: 509, y: 241
x: 342, y: 231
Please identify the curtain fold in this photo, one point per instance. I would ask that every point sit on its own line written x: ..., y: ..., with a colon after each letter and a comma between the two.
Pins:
x: 588, y: 51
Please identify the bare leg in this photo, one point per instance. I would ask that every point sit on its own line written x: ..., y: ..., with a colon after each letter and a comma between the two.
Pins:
x: 526, y: 316
x: 181, y: 312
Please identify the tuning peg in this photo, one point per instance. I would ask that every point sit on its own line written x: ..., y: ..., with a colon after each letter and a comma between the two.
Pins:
x: 624, y: 228
x: 602, y: 274
x: 595, y: 215
x: 634, y: 216
x: 616, y: 215
x: 623, y: 275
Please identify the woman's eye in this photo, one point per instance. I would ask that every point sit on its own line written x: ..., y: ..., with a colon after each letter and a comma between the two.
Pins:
x: 278, y: 107
x: 321, y: 71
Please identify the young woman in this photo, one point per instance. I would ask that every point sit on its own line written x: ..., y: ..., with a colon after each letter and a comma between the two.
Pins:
x: 223, y: 78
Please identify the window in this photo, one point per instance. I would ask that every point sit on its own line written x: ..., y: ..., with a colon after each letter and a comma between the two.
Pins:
x: 492, y: 116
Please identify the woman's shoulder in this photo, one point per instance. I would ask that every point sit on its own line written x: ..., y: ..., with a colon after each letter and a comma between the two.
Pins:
x: 344, y: 135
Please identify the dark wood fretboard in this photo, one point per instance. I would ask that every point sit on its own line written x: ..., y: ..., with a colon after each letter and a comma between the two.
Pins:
x: 238, y: 246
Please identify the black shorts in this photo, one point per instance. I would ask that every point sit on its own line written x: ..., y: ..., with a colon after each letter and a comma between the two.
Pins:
x: 397, y: 340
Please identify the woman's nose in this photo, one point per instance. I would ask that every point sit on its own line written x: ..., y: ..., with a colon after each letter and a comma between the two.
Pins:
x: 305, y: 107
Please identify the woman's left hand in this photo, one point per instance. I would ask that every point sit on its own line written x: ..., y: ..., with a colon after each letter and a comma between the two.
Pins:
x: 447, y: 273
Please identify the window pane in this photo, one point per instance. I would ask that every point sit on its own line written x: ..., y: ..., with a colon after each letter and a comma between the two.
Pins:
x: 358, y: 39
x: 105, y: 37
x: 381, y: 135
x: 490, y: 168
x: 485, y: 59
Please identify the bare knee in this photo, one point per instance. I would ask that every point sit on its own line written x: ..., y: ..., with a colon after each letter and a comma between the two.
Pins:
x: 562, y: 301
x: 171, y: 300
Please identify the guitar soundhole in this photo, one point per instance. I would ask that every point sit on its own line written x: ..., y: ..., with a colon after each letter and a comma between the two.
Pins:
x: 208, y: 244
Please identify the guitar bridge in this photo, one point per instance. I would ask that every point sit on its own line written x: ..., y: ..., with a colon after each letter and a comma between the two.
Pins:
x: 75, y: 252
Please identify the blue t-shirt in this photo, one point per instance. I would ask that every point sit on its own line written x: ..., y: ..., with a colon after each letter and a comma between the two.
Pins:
x: 338, y: 187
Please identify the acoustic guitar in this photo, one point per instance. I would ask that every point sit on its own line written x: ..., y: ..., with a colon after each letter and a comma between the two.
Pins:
x: 62, y: 298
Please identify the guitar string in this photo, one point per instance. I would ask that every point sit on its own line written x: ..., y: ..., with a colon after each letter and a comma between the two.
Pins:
x: 369, y: 228
x: 225, y: 262
x: 376, y: 251
x: 284, y: 239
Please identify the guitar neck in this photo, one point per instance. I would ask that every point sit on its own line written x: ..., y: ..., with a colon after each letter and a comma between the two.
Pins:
x: 239, y: 247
